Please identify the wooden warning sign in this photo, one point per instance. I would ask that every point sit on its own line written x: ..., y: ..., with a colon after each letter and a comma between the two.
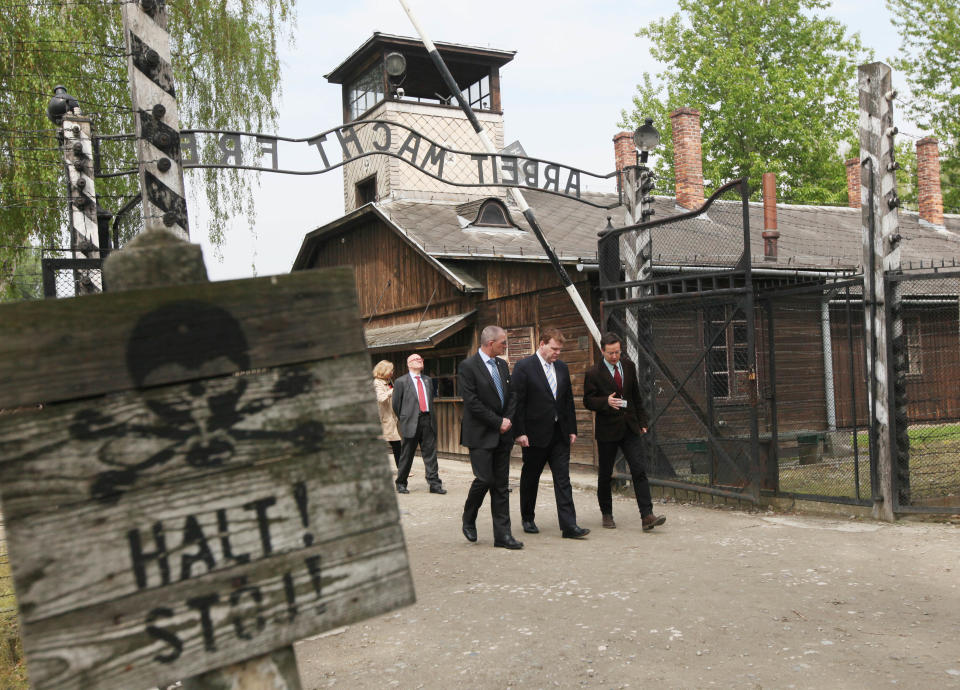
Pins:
x: 204, y: 482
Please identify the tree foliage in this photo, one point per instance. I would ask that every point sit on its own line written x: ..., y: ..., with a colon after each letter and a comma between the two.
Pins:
x: 930, y: 58
x: 227, y: 72
x: 775, y: 84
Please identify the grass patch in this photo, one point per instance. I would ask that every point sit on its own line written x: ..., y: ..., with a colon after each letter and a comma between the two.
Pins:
x: 921, y: 435
x: 934, y: 467
x: 13, y: 668
x: 835, y: 478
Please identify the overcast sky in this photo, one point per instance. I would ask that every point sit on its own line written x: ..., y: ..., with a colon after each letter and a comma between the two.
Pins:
x: 576, y: 67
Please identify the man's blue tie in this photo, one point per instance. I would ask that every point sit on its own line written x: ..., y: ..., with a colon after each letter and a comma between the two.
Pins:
x: 551, y: 379
x: 494, y: 371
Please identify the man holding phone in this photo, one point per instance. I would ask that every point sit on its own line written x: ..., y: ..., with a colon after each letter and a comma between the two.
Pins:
x: 612, y: 391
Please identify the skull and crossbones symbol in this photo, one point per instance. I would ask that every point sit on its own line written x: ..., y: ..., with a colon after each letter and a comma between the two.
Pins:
x: 198, y: 422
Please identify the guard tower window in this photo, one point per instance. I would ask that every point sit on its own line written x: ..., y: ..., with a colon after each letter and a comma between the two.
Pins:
x: 367, y: 190
x: 366, y: 91
x: 366, y: 83
x: 478, y: 95
x: 493, y: 213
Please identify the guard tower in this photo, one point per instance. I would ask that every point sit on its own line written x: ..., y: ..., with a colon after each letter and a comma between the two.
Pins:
x: 392, y: 78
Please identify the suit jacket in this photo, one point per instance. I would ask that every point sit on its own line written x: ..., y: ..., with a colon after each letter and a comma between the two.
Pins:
x: 611, y: 424
x: 536, y: 406
x: 406, y: 404
x: 482, y: 409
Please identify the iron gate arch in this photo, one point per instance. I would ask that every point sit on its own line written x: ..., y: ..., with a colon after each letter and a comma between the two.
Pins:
x: 688, y: 320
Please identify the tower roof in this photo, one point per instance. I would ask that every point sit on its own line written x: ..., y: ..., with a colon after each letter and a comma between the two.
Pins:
x: 467, y: 63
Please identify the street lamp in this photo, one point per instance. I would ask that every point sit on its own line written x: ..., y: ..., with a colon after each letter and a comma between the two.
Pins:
x: 646, y: 138
x: 61, y: 104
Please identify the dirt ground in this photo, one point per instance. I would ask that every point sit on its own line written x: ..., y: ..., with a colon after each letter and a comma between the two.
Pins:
x: 713, y: 598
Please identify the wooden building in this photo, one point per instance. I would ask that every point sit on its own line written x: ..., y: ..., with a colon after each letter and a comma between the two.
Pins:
x: 435, y: 263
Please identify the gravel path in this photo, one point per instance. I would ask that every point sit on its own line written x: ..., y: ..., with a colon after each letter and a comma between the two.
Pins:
x: 713, y: 598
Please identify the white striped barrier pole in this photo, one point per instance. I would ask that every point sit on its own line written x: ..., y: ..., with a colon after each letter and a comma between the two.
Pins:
x: 156, y: 114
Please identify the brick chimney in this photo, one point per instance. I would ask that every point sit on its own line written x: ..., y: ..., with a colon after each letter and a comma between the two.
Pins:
x: 929, y: 195
x: 853, y: 183
x: 687, y: 157
x: 770, y: 232
x: 624, y: 150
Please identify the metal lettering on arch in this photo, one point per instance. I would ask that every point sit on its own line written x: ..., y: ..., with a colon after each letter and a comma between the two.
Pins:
x: 210, y: 148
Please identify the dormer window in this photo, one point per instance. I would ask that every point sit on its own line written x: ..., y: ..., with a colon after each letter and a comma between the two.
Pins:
x: 493, y: 214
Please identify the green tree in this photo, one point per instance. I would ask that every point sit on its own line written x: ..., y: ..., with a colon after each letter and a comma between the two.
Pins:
x: 227, y: 73
x: 20, y: 277
x: 775, y: 84
x: 930, y: 57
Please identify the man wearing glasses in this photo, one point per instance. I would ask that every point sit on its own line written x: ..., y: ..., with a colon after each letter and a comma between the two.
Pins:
x: 413, y: 404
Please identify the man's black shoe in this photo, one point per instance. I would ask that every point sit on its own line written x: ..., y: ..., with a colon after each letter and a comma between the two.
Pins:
x: 470, y: 531
x: 530, y: 527
x: 575, y: 532
x: 437, y: 490
x: 508, y: 542
x: 402, y: 489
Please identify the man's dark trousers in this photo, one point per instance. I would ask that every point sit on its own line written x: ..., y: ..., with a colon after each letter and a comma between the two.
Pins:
x: 556, y: 454
x: 632, y: 447
x: 426, y: 438
x: 491, y: 470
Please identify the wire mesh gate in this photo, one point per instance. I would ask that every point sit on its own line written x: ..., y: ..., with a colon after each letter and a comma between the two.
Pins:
x: 812, y: 377
x: 686, y: 317
x: 928, y: 349
x: 72, y: 277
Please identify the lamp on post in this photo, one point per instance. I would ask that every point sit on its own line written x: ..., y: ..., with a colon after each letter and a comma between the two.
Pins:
x: 395, y: 65
x: 646, y: 138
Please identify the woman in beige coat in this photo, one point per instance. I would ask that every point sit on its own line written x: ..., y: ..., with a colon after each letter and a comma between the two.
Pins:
x: 383, y: 383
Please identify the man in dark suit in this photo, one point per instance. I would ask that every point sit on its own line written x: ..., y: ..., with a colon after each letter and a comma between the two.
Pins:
x: 413, y: 405
x: 488, y: 407
x: 545, y: 425
x: 611, y: 390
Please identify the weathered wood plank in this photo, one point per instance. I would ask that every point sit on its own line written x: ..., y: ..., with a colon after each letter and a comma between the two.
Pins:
x: 219, y: 497
x: 49, y: 352
x: 222, y: 617
x: 289, y: 460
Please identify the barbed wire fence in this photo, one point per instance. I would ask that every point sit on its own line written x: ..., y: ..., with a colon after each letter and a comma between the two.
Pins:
x: 34, y: 192
x: 34, y: 195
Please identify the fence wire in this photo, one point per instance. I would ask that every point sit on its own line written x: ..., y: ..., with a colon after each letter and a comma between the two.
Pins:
x: 74, y: 282
x: 931, y: 339
x: 815, y: 397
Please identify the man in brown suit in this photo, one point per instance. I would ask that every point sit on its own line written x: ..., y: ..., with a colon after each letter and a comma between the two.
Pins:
x: 611, y: 390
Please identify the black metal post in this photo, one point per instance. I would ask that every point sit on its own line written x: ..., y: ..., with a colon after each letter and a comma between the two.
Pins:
x: 853, y: 396
x: 774, y: 455
x: 757, y: 474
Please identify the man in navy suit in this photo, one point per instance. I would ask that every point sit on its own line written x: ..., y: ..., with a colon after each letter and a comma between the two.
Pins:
x: 488, y: 408
x: 545, y: 425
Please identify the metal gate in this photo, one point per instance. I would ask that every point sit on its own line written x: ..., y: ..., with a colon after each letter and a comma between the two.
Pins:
x: 687, y: 318
x: 927, y: 459
x: 72, y: 277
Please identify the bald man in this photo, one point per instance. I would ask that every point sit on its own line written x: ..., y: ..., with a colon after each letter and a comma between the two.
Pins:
x: 413, y: 404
